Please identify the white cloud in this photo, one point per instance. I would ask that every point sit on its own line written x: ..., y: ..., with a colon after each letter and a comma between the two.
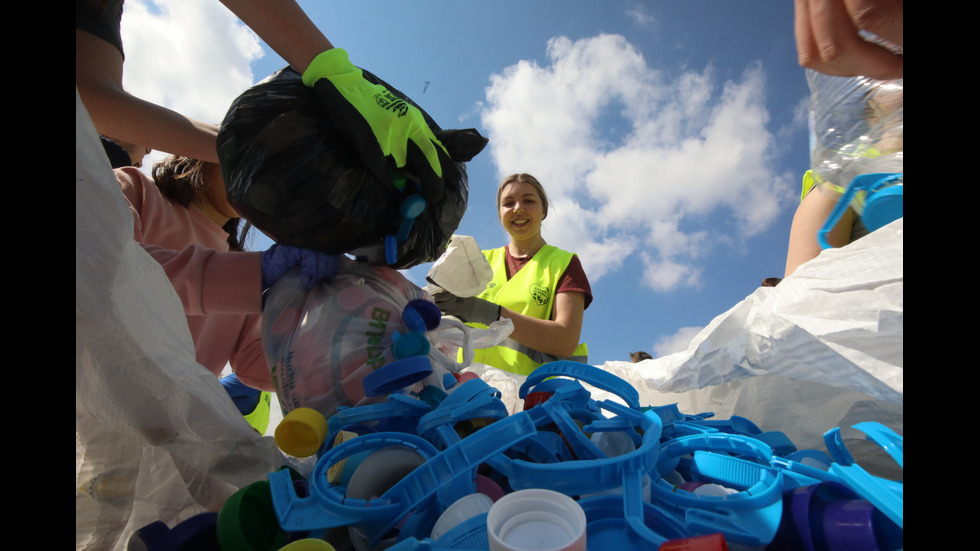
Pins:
x: 640, y: 16
x: 664, y: 275
x: 177, y: 55
x: 686, y: 169
x: 678, y: 342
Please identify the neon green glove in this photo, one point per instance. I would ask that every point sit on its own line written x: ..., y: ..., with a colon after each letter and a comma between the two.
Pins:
x: 380, y: 123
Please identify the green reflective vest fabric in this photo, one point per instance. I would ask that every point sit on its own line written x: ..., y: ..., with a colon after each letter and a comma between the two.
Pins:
x: 530, y: 292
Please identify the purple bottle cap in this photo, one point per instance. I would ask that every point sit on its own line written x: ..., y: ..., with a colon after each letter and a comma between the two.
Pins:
x: 848, y: 525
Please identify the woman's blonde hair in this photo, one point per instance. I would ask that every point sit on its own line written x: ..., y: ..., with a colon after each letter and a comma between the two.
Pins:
x: 527, y: 179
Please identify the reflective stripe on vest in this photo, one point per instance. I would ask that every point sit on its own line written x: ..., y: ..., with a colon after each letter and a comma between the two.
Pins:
x: 530, y: 292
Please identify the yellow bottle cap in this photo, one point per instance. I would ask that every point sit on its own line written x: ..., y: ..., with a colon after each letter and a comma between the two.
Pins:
x: 301, y: 432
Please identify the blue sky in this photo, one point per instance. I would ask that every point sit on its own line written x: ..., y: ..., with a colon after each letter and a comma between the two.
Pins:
x: 671, y: 136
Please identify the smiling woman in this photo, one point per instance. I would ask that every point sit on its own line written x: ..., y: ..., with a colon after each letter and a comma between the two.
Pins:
x: 542, y: 289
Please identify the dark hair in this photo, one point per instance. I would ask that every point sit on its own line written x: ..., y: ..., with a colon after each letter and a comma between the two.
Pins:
x: 181, y: 179
x: 118, y: 157
x: 640, y: 356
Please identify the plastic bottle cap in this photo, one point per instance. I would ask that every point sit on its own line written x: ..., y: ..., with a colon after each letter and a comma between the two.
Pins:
x: 197, y: 533
x: 847, y: 524
x: 301, y: 432
x: 466, y: 376
x: 413, y: 320
x: 308, y: 544
x: 410, y: 344
x: 489, y: 487
x: 247, y: 520
x: 428, y: 310
x: 461, y: 510
x: 535, y: 398
x: 536, y: 519
x: 397, y: 374
x: 142, y: 539
x: 708, y: 542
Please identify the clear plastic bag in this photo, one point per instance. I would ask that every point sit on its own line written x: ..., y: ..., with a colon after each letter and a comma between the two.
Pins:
x: 322, y: 342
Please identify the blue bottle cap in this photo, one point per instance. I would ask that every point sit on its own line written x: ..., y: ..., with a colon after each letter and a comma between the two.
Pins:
x: 142, y: 539
x: 397, y: 375
x: 409, y: 344
x: 198, y: 533
x: 428, y: 310
x: 413, y: 320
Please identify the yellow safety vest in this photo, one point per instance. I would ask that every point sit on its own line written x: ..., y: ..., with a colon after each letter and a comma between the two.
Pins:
x: 530, y: 292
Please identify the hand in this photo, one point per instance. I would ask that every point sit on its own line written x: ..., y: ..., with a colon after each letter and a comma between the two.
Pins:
x: 380, y: 123
x: 828, y: 39
x: 316, y: 266
x: 467, y: 309
x: 244, y: 396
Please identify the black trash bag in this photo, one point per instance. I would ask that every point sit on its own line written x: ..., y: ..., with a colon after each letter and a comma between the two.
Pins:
x: 296, y: 177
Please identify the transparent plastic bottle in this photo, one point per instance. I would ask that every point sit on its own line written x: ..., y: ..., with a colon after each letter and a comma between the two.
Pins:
x: 856, y: 128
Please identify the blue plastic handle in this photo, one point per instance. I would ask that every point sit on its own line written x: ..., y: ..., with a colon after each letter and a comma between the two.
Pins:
x: 586, y: 476
x: 448, y: 473
x: 397, y: 375
x: 886, y: 495
x: 864, y: 182
x: 585, y: 372
x: 750, y: 516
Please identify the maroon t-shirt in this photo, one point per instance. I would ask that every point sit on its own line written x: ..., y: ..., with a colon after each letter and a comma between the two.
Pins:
x: 573, y: 280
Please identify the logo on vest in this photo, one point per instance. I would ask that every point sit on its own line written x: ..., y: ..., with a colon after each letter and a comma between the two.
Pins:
x: 540, y: 294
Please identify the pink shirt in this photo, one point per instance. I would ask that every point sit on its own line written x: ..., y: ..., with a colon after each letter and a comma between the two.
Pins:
x: 220, y: 290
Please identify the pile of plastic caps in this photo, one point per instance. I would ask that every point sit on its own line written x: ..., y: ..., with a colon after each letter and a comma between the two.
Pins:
x: 451, y: 469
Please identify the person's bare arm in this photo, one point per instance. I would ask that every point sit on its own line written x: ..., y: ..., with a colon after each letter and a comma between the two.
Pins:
x: 558, y: 336
x: 809, y: 218
x: 285, y: 27
x: 828, y: 39
x: 120, y: 115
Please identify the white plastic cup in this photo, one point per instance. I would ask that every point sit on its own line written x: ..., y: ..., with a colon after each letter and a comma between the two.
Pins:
x: 536, y: 520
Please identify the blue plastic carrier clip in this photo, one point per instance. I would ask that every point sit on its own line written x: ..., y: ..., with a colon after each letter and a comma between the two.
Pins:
x: 880, y: 196
x: 886, y: 495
